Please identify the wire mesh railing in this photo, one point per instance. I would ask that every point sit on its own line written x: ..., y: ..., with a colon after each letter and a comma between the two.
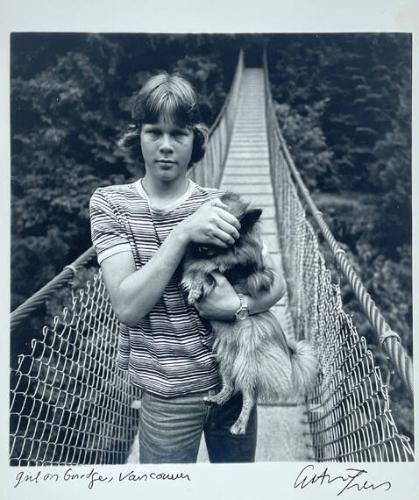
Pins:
x: 69, y: 403
x: 349, y: 410
x: 209, y: 171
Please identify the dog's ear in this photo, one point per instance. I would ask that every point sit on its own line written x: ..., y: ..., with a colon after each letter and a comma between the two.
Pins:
x: 249, y: 219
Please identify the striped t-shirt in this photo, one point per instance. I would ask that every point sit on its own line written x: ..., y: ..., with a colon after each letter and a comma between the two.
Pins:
x: 169, y: 351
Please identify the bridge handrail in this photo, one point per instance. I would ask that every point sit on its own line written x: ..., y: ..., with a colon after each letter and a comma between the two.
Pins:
x: 216, y: 148
x: 42, y: 295
x: 386, y: 337
x: 232, y: 93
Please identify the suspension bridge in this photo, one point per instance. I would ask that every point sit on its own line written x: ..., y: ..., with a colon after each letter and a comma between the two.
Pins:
x: 70, y: 404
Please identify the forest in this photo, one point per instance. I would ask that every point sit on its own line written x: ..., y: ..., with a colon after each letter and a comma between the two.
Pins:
x: 343, y: 102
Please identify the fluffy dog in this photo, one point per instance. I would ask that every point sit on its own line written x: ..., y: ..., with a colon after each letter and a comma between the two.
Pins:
x: 253, y: 354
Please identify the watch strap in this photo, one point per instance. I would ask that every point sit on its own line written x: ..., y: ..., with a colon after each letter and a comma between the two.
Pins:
x: 243, y: 311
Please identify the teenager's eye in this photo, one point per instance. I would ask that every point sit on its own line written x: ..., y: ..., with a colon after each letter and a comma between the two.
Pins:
x: 180, y: 135
x: 153, y: 133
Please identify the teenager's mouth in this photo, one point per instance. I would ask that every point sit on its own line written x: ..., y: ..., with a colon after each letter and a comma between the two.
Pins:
x: 166, y: 162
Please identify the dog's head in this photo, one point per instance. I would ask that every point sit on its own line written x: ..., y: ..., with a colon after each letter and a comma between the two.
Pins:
x: 240, y: 209
x: 247, y: 217
x: 242, y: 263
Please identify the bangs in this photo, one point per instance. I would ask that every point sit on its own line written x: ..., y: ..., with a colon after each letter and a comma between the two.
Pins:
x: 170, y: 106
x: 167, y: 96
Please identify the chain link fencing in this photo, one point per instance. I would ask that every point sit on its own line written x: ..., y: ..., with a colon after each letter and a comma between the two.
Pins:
x: 349, y: 411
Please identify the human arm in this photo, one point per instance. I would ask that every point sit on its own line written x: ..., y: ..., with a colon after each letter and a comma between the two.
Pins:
x: 133, y: 292
x: 223, y: 301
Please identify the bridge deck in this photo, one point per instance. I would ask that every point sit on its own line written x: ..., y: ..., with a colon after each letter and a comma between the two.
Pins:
x: 283, y: 433
x: 282, y: 430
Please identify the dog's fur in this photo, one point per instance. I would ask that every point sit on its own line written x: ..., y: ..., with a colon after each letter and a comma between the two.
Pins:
x: 253, y: 354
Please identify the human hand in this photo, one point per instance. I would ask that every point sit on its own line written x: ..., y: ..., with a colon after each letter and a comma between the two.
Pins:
x: 221, y: 303
x: 211, y: 224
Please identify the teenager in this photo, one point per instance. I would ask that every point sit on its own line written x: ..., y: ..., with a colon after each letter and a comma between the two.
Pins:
x: 141, y: 231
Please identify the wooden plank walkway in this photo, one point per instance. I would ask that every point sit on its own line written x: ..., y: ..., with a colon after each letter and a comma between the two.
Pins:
x: 283, y: 434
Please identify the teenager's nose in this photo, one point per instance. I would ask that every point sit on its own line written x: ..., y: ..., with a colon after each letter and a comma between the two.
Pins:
x: 166, y: 144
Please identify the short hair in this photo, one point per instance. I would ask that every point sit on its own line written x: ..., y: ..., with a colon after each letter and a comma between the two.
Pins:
x: 175, y: 98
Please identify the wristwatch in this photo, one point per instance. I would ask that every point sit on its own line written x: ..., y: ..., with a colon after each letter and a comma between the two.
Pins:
x: 243, y: 311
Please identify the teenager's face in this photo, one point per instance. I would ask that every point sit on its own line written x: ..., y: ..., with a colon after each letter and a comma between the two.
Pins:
x: 167, y: 150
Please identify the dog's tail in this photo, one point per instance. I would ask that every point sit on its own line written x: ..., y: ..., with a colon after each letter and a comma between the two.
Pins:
x: 305, y: 367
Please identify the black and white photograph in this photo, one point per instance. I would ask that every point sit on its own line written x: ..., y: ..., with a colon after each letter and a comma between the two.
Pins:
x: 210, y: 261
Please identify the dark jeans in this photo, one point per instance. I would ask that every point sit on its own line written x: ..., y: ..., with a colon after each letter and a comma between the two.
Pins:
x: 171, y: 430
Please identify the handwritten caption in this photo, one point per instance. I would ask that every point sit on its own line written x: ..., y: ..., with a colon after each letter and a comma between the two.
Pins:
x: 94, y: 477
x: 352, y: 479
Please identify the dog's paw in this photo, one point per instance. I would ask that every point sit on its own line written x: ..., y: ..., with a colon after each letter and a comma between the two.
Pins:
x: 194, y: 294
x: 187, y: 282
x: 238, y: 428
x: 216, y: 399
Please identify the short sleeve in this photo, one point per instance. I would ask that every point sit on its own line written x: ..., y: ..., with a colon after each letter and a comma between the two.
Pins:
x: 108, y: 233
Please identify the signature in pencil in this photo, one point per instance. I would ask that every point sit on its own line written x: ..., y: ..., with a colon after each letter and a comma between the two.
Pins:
x: 354, y: 478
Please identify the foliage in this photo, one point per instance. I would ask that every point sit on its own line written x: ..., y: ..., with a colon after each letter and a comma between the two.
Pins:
x: 307, y: 144
x: 206, y: 77
x: 61, y: 150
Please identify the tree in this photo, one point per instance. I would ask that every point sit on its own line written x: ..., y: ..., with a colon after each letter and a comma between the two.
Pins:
x: 307, y: 144
x: 63, y: 145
